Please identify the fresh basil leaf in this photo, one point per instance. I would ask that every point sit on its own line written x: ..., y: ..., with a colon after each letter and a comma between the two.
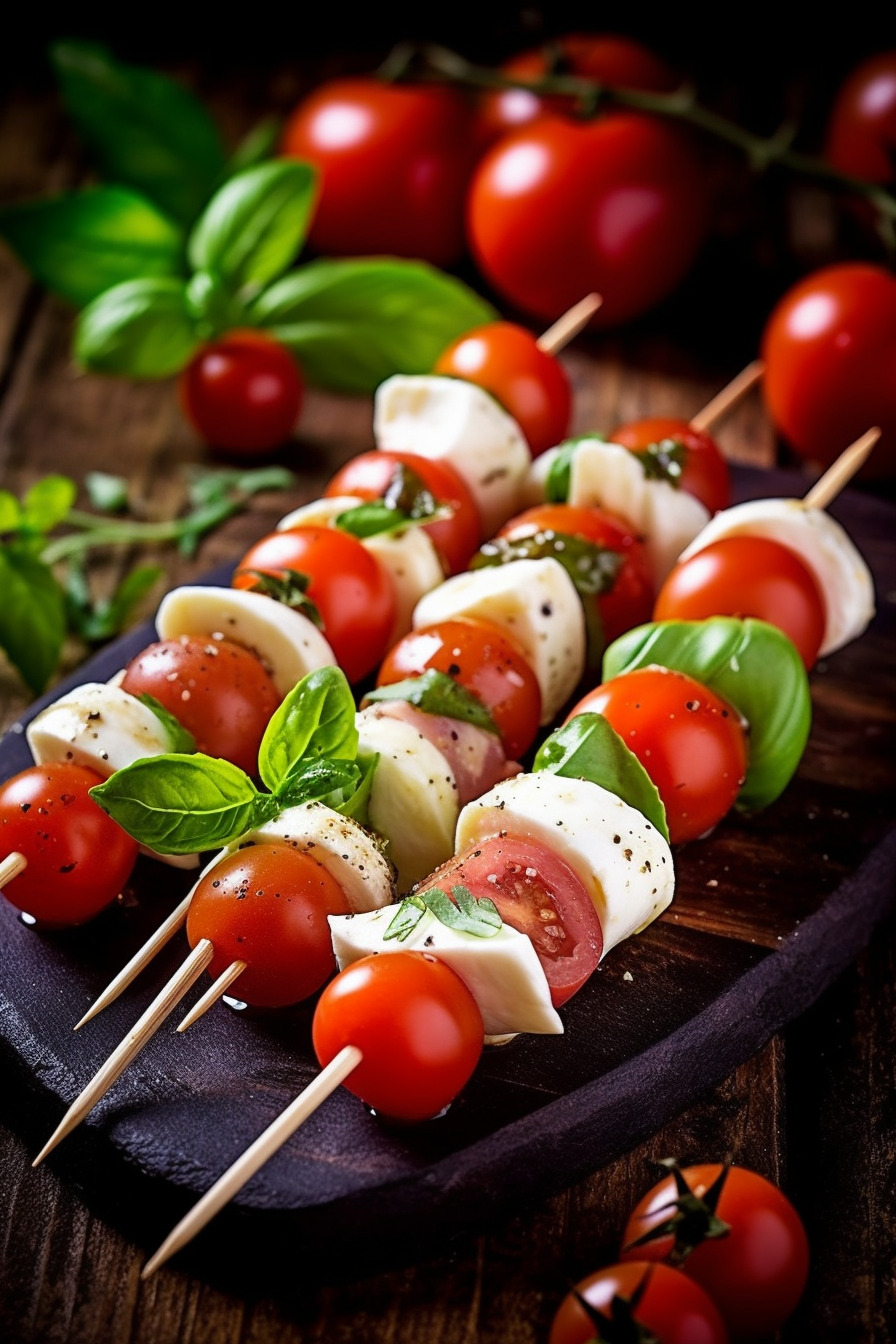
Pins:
x: 98, y: 621
x: 78, y: 244
x: 257, y: 144
x: 180, y: 739
x: 463, y: 913
x: 48, y: 502
x: 140, y: 329
x: 353, y: 323
x: 223, y: 483
x: 211, y: 305
x: 254, y: 225
x: 32, y: 615
x: 436, y: 692
x: 144, y: 129
x: 373, y: 518
x: 107, y: 493
x: 356, y: 805
x: 405, y: 920
x: 749, y: 663
x: 179, y: 804
x: 288, y: 588
x: 663, y: 461
x: 332, y: 782
x: 556, y: 485
x: 588, y: 747
x: 10, y: 512
x: 317, y: 719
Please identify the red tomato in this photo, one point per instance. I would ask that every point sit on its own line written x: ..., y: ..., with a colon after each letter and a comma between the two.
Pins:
x: 77, y: 858
x: 673, y: 1308
x: 630, y: 601
x: 689, y: 741
x: 530, y: 384
x: 242, y: 393
x: 218, y: 690
x: 861, y: 131
x: 393, y: 160
x: 483, y: 659
x: 537, y: 893
x: 370, y: 476
x: 350, y: 589
x: 748, y: 576
x: 615, y: 206
x: 829, y: 348
x: 267, y: 905
x: 757, y: 1271
x: 417, y: 1025
x: 705, y: 474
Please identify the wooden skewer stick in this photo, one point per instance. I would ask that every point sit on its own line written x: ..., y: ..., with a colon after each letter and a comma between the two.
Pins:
x: 842, y: 470
x: 574, y: 320
x: 215, y: 992
x: 255, y: 1156
x: 164, y: 1003
x: 722, y: 402
x: 11, y: 866
x: 141, y: 958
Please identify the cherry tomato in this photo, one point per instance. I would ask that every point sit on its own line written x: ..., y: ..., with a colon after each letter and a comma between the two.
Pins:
x: 416, y: 1024
x: 559, y: 209
x: 350, y: 589
x: 483, y: 659
x: 663, y: 1301
x: 689, y: 741
x: 747, y: 576
x: 757, y: 1271
x: 705, y: 472
x: 218, y: 690
x: 78, y: 858
x: 371, y: 475
x: 537, y: 893
x: 829, y: 347
x: 861, y: 131
x: 267, y: 905
x: 630, y: 601
x: 393, y: 160
x: 530, y: 384
x: 242, y: 393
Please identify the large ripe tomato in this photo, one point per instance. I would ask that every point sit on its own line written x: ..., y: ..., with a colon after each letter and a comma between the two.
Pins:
x: 375, y: 475
x: 77, y: 858
x: 705, y: 471
x: 530, y: 384
x: 662, y: 1300
x: 615, y: 206
x: 747, y: 576
x: 756, y: 1272
x: 394, y: 160
x: 688, y: 739
x: 218, y: 690
x: 484, y: 660
x: 417, y: 1025
x: 861, y: 130
x: 538, y: 894
x: 829, y: 348
x: 242, y: 393
x: 350, y: 589
x: 267, y: 905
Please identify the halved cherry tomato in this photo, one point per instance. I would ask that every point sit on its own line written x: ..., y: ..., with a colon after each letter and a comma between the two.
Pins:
x: 662, y: 1300
x: 267, y: 905
x: 529, y: 383
x: 705, y: 472
x: 688, y: 739
x: 77, y: 858
x: 537, y: 893
x: 242, y: 392
x: 372, y: 475
x: 350, y: 589
x: 483, y: 659
x: 747, y: 576
x: 417, y: 1025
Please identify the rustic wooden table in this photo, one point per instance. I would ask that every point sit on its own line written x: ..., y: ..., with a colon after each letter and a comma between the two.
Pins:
x: 813, y: 1110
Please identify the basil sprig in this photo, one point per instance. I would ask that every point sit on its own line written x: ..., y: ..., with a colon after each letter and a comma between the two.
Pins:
x: 436, y: 692
x: 663, y: 461
x: 461, y: 911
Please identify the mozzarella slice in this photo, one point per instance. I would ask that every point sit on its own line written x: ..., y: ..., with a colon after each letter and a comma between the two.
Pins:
x: 826, y: 549
x: 503, y: 972
x: 536, y: 602
x: 288, y: 643
x: 621, y: 858
x: 462, y: 424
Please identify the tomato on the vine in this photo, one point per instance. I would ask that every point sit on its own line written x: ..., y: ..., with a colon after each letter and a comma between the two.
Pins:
x: 662, y: 1300
x: 242, y: 392
x: 861, y: 130
x: 705, y: 471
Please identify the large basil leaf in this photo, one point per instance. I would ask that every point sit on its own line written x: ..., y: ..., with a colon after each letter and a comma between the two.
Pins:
x: 353, y: 323
x: 436, y: 693
x: 84, y: 242
x: 32, y: 615
x: 316, y: 719
x: 139, y: 329
x: 749, y: 663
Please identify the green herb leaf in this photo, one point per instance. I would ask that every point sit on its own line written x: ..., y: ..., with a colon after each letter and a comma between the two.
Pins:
x: 373, y: 518
x: 212, y: 306
x: 588, y: 747
x: 316, y: 720
x: 463, y: 912
x: 436, y: 692
x: 107, y: 493
x: 139, y: 329
x: 353, y: 323
x: 48, y: 503
x: 333, y: 782
x: 32, y: 615
x: 663, y: 461
x: 208, y: 486
x: 259, y: 143
x: 556, y: 485
x: 10, y: 512
x: 356, y: 805
x: 99, y: 621
x: 288, y: 588
x: 405, y: 920
x: 180, y: 739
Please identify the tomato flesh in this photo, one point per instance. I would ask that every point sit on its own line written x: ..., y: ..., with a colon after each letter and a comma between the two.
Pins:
x: 242, y: 393
x: 705, y: 473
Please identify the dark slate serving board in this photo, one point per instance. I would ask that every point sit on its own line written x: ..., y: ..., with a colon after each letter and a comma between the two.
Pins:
x: 767, y: 912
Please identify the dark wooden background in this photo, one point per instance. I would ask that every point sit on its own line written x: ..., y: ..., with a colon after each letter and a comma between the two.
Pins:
x: 814, y: 1111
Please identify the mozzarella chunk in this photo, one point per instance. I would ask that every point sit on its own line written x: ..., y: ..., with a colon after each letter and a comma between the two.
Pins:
x: 621, y: 858
x: 843, y: 578
x: 462, y: 424
x: 287, y: 643
x: 536, y: 602
x: 503, y: 972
